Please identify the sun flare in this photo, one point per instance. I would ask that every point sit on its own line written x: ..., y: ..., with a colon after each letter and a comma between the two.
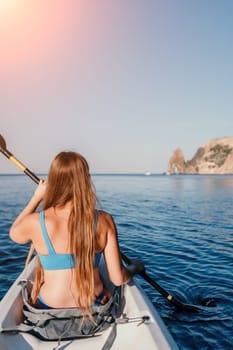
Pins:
x: 6, y: 6
x: 10, y: 11
x: 31, y: 33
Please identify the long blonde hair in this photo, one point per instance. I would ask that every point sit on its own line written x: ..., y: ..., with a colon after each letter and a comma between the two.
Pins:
x: 69, y: 180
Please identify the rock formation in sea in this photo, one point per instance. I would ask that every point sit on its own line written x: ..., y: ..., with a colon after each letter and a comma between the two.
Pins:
x: 216, y: 157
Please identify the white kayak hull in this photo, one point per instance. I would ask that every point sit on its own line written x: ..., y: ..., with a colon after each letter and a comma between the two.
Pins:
x: 131, y: 332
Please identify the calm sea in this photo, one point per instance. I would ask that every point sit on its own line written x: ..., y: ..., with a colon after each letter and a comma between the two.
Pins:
x: 180, y: 226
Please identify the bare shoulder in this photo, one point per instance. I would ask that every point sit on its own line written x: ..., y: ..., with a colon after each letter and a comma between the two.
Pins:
x: 31, y: 224
x: 23, y: 230
x: 105, y: 220
x: 33, y: 218
x: 105, y: 229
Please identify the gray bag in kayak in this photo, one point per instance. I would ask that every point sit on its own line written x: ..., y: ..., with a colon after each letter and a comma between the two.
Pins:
x: 67, y: 323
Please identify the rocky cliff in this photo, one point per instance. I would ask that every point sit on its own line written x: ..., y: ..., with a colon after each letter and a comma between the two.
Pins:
x: 216, y: 157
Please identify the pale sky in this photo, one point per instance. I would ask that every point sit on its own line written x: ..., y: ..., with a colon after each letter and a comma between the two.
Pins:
x: 124, y: 82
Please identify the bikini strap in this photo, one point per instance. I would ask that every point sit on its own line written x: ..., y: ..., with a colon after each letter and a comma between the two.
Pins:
x: 45, y: 234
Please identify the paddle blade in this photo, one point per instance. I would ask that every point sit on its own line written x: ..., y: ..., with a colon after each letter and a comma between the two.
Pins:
x: 2, y: 142
x: 178, y: 304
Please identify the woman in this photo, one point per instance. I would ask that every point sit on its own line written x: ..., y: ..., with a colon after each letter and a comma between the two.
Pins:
x: 69, y: 234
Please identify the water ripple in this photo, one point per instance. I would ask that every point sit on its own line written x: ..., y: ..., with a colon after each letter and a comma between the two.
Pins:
x: 180, y: 226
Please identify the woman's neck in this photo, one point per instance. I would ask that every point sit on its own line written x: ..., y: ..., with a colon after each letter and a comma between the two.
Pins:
x: 62, y: 212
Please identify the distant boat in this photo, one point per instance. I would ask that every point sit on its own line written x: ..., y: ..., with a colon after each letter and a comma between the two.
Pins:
x: 147, y: 173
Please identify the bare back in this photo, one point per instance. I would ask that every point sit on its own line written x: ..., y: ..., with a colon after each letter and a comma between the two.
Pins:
x: 59, y: 288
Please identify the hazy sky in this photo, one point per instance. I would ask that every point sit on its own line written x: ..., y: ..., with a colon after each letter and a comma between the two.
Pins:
x: 124, y: 82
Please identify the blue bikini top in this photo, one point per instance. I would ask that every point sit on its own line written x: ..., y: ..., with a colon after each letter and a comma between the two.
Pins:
x: 57, y: 261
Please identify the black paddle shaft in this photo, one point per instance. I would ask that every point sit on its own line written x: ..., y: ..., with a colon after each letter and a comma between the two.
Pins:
x: 178, y: 304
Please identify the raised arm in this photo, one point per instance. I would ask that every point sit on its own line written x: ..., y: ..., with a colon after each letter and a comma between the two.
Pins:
x: 20, y: 229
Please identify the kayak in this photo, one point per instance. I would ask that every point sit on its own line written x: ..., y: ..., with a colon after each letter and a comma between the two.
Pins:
x: 138, y: 324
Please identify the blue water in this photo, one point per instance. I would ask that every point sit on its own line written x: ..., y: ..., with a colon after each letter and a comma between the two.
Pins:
x: 180, y: 226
